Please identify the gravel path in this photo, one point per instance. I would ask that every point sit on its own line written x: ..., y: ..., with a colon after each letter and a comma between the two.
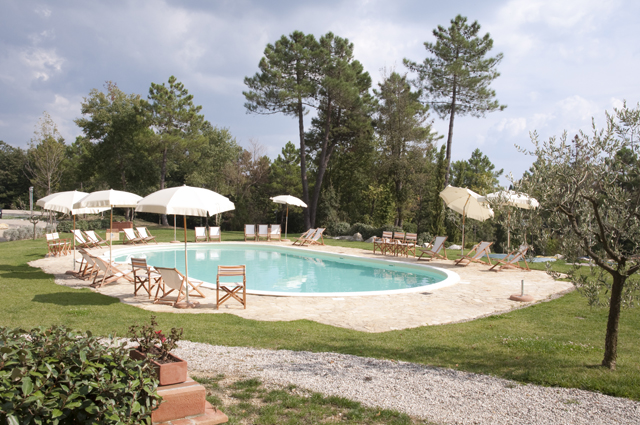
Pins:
x: 441, y: 395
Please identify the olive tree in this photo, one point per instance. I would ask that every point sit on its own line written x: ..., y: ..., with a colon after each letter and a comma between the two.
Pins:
x: 588, y: 188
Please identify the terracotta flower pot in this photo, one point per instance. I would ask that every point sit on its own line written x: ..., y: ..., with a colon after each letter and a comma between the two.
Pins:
x: 168, y: 373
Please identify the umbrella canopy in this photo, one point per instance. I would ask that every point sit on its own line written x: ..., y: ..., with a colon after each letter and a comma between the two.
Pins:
x: 289, y: 200
x: 513, y: 199
x: 185, y: 200
x: 466, y: 202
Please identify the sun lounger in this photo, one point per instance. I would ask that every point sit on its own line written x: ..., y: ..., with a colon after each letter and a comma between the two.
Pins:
x: 87, y: 267
x: 201, y: 234
x: 81, y: 241
x: 173, y: 280
x: 275, y: 233
x: 303, y: 237
x: 110, y: 273
x: 214, y: 234
x: 250, y: 232
x: 478, y: 251
x: 408, y: 247
x: 57, y: 246
x: 144, y: 234
x: 316, y: 238
x: 511, y: 261
x: 437, y: 245
x: 263, y: 232
x: 144, y: 277
x: 381, y: 243
x: 130, y: 237
x: 231, y: 289
x: 95, y: 238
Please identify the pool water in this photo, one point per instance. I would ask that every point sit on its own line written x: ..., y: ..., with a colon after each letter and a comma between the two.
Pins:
x: 288, y: 271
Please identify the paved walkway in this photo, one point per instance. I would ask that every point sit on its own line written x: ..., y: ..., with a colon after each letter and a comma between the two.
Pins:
x: 479, y: 293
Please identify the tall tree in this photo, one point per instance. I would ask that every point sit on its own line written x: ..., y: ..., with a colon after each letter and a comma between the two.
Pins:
x: 287, y: 83
x: 587, y: 186
x: 177, y: 122
x: 477, y: 173
x: 14, y: 184
x: 404, y: 135
x: 457, y: 76
x: 45, y: 155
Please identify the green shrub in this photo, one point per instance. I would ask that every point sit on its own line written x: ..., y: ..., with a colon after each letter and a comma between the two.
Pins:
x: 424, y: 237
x: 410, y: 227
x: 339, y: 228
x: 19, y: 233
x: 365, y: 230
x: 59, y: 376
x: 67, y: 225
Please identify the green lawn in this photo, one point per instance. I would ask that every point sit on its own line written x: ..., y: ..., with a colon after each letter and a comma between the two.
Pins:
x: 555, y: 343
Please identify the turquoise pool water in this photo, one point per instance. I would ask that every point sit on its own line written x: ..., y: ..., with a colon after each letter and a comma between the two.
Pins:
x: 288, y: 271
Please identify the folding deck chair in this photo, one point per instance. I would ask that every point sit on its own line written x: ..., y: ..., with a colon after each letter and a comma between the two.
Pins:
x: 110, y: 273
x: 395, y: 246
x: 381, y: 243
x: 437, y: 245
x: 130, y: 237
x: 275, y: 232
x: 317, y: 236
x: 144, y: 234
x: 57, y: 246
x: 263, y: 232
x: 231, y: 289
x: 144, y: 276
x: 87, y: 266
x: 303, y: 237
x: 250, y: 232
x: 95, y: 238
x: 214, y: 234
x: 175, y: 281
x: 512, y: 259
x: 201, y: 234
x: 81, y: 241
x: 480, y: 250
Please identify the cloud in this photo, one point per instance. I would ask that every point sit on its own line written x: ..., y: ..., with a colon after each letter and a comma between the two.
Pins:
x: 42, y: 62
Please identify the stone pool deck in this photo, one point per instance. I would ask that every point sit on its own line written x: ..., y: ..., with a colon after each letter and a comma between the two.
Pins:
x: 479, y: 293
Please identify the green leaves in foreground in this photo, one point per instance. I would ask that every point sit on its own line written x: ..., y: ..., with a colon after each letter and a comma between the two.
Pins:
x: 58, y: 376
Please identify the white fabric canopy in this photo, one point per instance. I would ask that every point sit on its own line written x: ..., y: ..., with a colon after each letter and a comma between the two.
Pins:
x: 185, y: 200
x: 109, y: 198
x: 289, y: 200
x: 63, y: 202
x: 514, y: 199
x: 466, y: 202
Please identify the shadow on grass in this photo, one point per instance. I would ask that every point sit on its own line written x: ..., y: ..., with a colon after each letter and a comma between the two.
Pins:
x: 74, y: 298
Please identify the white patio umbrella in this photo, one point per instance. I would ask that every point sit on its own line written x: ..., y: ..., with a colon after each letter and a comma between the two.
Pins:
x: 109, y: 199
x: 514, y: 199
x: 63, y: 202
x: 185, y: 200
x: 289, y: 200
x: 466, y: 202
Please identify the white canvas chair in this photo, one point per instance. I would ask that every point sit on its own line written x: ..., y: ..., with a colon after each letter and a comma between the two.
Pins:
x: 144, y: 234
x: 87, y: 267
x: 263, y: 232
x: 173, y: 280
x: 201, y: 234
x: 250, y: 232
x: 81, y: 241
x: 214, y: 234
x: 437, y: 245
x: 95, y: 238
x: 144, y: 277
x: 275, y: 232
x: 130, y: 237
x: 57, y: 246
x: 512, y: 260
x: 110, y: 273
x: 478, y: 251
x: 316, y: 238
x: 382, y: 242
x: 303, y: 237
x: 409, y: 245
x: 231, y: 289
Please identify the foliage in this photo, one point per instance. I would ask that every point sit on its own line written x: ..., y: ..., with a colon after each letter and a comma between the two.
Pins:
x: 587, y: 188
x: 57, y: 376
x: 153, y: 342
x: 457, y: 76
x: 14, y: 184
x: 22, y: 232
x: 45, y: 155
x: 98, y: 224
x: 339, y: 228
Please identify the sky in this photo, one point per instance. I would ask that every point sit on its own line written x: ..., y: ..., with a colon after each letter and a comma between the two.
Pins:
x: 565, y: 62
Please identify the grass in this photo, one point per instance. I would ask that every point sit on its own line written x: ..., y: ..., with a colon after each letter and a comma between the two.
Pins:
x: 249, y: 402
x: 557, y: 343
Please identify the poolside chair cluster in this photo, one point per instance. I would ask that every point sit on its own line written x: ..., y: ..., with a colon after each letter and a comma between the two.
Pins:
x: 213, y: 235
x: 57, y: 246
x: 482, y: 250
x: 267, y: 232
x: 138, y: 236
x: 100, y: 271
x: 396, y: 243
x: 311, y: 237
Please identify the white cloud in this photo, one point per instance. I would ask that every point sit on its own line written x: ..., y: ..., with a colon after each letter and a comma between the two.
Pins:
x: 43, y: 11
x: 42, y: 62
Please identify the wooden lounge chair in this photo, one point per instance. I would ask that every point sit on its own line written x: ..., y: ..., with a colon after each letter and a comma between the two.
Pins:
x: 250, y: 232
x: 130, y: 237
x: 95, y: 238
x: 317, y: 236
x: 478, y: 251
x: 395, y: 246
x: 512, y: 259
x: 275, y: 233
x: 214, y: 234
x: 87, y: 267
x: 303, y: 237
x: 201, y: 234
x: 57, y: 246
x: 409, y: 245
x: 81, y: 241
x: 381, y: 243
x: 110, y: 273
x: 437, y: 245
x: 263, y: 232
x: 173, y: 280
x: 144, y: 234
x: 144, y: 277
x: 231, y: 289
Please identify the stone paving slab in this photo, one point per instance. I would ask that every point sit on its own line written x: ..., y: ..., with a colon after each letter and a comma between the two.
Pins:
x: 479, y: 293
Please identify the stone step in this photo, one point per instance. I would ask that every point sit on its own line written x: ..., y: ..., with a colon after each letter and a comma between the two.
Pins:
x: 211, y: 416
x: 180, y: 401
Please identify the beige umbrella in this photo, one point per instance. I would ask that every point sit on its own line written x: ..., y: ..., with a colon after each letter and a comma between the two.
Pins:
x: 63, y: 202
x: 109, y: 199
x: 514, y: 199
x: 466, y: 202
x: 185, y: 200
x: 289, y: 200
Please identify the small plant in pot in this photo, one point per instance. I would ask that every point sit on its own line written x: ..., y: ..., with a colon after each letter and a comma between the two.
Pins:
x: 156, y: 347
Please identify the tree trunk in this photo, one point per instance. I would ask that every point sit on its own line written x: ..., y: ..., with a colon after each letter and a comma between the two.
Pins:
x: 163, y: 174
x: 611, y: 340
x: 322, y: 165
x: 450, y: 135
x: 303, y: 166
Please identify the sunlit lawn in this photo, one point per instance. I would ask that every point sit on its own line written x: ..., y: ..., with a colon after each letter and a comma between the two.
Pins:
x: 553, y: 343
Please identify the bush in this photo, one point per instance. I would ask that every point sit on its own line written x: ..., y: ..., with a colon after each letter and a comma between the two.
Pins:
x: 410, y: 227
x: 19, y: 233
x: 67, y: 225
x: 338, y: 228
x: 365, y: 230
x: 424, y: 237
x: 56, y: 376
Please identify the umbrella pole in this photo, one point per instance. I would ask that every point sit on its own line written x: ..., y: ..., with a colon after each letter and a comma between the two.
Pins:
x: 462, y: 248
x: 111, y: 237
x: 74, y: 241
x: 509, y: 231
x: 174, y: 228
x: 186, y: 266
x: 286, y: 223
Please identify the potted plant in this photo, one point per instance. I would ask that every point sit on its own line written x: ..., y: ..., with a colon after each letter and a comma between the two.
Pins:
x: 156, y: 347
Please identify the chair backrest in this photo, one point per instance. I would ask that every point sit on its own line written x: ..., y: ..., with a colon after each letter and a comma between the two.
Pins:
x: 142, y: 231
x: 387, y: 235
x: 249, y: 229
x: 55, y: 235
x: 438, y: 244
x: 307, y: 234
x: 275, y: 229
x: 138, y: 263
x: 481, y: 248
x: 49, y: 237
x: 226, y: 271
x: 411, y: 237
x: 171, y: 277
x: 519, y: 255
x: 318, y: 233
x: 263, y: 229
x: 87, y: 257
x: 78, y: 235
x: 91, y: 235
x: 129, y: 234
x: 101, y: 264
x: 214, y: 231
x: 201, y: 232
x: 398, y: 236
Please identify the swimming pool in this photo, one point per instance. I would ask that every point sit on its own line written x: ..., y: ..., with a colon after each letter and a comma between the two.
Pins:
x: 288, y: 271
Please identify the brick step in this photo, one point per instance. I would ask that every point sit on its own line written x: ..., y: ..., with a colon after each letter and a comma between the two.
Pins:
x: 180, y: 401
x: 211, y: 416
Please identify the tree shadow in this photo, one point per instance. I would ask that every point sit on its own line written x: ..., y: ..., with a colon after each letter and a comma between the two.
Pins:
x: 74, y: 298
